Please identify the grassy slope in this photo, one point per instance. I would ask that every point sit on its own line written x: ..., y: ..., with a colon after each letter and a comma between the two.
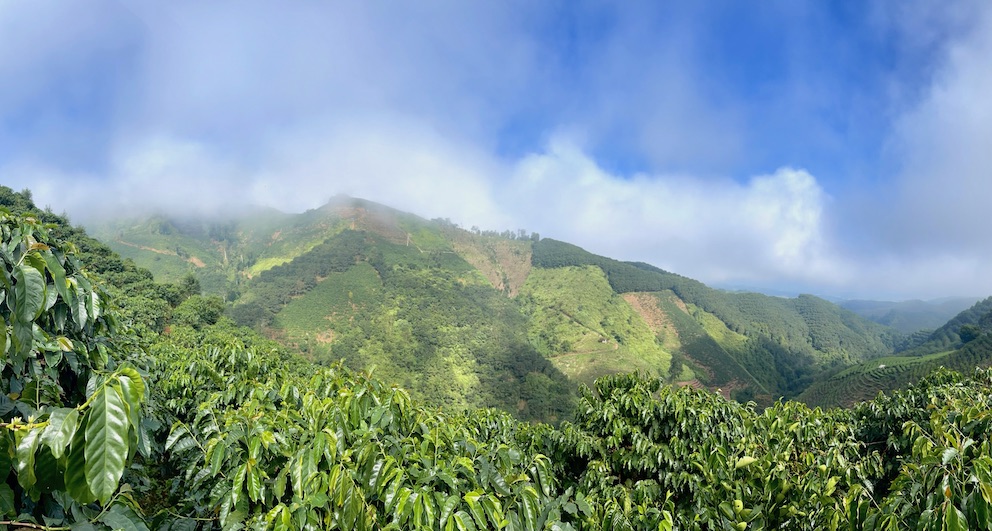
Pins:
x: 585, y: 328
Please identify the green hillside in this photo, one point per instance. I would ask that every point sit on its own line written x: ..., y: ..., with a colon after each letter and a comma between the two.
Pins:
x: 962, y: 344
x: 132, y: 404
x: 472, y: 318
x: 910, y: 316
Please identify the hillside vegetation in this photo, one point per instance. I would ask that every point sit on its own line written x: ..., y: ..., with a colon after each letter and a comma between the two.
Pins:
x: 910, y: 316
x: 468, y: 319
x: 962, y: 344
x: 140, y: 406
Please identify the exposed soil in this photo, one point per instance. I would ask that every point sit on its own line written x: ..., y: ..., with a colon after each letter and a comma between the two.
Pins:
x: 504, y: 263
x: 325, y: 337
x: 143, y: 248
x: 647, y: 307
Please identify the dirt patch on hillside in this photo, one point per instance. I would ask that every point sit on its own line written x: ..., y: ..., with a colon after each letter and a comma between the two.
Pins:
x: 646, y: 305
x: 382, y: 223
x: 679, y: 302
x: 694, y: 383
x: 197, y: 262
x: 504, y: 263
x: 325, y: 337
x: 143, y: 248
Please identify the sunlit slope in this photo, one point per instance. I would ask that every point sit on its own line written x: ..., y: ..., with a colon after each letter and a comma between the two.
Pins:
x: 589, y: 331
x: 332, y: 281
x: 782, y: 343
x: 426, y: 320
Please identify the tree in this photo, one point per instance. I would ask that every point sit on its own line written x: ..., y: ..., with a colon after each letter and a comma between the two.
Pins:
x: 969, y: 332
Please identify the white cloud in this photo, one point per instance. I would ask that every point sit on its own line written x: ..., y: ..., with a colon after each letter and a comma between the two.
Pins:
x: 769, y: 228
x: 206, y: 105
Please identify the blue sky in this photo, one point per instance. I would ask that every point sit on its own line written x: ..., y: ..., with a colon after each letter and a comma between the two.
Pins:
x: 839, y: 148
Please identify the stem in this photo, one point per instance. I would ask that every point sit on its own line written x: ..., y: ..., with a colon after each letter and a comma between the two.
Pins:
x: 30, y: 525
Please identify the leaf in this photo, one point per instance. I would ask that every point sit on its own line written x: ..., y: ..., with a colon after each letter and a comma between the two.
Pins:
x: 29, y: 293
x: 106, y: 442
x: 58, y: 273
x: 62, y: 424
x: 133, y: 392
x: 463, y: 522
x: 178, y: 431
x: 954, y: 519
x: 447, y: 509
x: 478, y: 514
x: 948, y: 455
x: 75, y: 470
x: 122, y: 517
x: 7, y: 500
x: 22, y: 340
x: 4, y: 341
x: 26, y: 448
x: 744, y: 461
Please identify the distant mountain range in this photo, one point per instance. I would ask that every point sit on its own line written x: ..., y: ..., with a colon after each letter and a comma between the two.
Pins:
x: 911, y: 316
x: 472, y: 318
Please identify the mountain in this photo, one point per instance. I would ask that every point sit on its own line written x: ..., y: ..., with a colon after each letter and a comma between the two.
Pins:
x: 910, y: 316
x: 129, y: 403
x: 472, y: 318
x: 961, y: 344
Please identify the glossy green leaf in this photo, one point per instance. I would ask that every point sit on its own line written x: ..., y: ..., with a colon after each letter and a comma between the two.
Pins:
x: 106, y: 442
x: 744, y: 461
x: 61, y: 427
x: 133, y: 391
x: 29, y: 293
x: 27, y: 445
x: 75, y: 470
x: 448, y: 509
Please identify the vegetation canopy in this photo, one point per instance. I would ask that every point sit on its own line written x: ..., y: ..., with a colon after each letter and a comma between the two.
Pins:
x: 139, y: 405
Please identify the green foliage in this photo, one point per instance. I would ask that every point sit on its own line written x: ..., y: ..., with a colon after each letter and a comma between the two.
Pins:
x: 972, y: 321
x: 71, y: 412
x: 272, y: 448
x: 588, y: 330
x: 788, y: 340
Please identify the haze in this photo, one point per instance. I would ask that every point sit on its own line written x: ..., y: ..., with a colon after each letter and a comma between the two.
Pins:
x: 838, y: 148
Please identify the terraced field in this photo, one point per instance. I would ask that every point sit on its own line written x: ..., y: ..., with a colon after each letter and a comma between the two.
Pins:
x: 864, y: 381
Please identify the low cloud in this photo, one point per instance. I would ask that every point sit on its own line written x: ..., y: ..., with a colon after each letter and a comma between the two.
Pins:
x: 767, y: 229
x: 616, y: 136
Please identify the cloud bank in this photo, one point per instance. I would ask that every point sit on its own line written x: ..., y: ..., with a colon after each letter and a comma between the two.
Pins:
x: 733, y: 148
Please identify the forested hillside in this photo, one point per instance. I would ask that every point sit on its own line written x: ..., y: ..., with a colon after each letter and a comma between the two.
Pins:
x: 962, y: 344
x: 131, y: 404
x: 472, y: 318
x: 910, y: 316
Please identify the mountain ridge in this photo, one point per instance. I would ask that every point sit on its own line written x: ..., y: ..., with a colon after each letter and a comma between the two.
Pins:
x: 587, y: 315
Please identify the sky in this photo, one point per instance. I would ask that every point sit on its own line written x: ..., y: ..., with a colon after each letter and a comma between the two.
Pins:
x: 836, y: 148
